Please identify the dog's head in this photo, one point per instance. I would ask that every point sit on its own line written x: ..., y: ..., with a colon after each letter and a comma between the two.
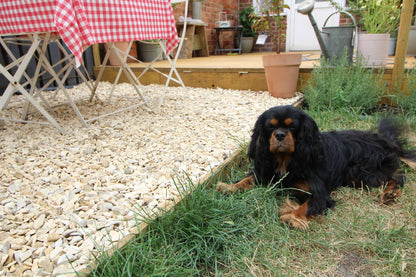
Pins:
x: 284, y: 130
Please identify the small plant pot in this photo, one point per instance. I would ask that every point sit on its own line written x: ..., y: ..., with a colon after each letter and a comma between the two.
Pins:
x: 247, y: 44
x: 282, y: 71
x: 149, y: 51
x: 392, y: 46
x: 196, y: 9
x: 123, y: 46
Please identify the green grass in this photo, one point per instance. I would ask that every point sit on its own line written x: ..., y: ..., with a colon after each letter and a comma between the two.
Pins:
x: 211, y: 234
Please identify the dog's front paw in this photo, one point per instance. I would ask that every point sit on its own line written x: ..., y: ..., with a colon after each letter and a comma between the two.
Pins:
x: 226, y: 188
x: 294, y: 215
x: 288, y: 207
x: 390, y: 195
x: 295, y: 222
x: 392, y: 191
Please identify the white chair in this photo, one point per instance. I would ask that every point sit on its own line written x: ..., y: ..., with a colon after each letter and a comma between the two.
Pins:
x: 178, y: 51
x: 20, y: 64
x: 173, y: 73
x: 27, y: 85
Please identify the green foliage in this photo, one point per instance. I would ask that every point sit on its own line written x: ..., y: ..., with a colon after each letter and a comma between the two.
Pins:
x: 406, y: 95
x: 381, y: 16
x: 343, y: 85
x: 374, y: 16
x: 246, y: 21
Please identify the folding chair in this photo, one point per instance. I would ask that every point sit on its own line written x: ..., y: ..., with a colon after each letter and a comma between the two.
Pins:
x: 45, y: 66
x: 15, y: 85
x: 122, y: 57
x: 38, y: 43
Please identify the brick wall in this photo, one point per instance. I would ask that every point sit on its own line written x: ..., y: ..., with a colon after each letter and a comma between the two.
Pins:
x: 268, y: 46
x: 345, y: 20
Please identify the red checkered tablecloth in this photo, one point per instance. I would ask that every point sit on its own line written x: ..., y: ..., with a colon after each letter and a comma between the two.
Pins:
x: 85, y: 22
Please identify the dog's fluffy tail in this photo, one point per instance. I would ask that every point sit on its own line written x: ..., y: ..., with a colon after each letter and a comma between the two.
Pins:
x: 393, y: 130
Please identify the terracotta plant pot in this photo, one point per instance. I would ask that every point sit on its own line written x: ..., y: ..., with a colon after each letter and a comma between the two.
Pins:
x: 374, y: 49
x: 123, y: 46
x: 282, y: 71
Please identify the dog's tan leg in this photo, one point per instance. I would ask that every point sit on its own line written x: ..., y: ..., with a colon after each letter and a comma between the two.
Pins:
x: 393, y: 190
x: 245, y: 184
x: 295, y: 215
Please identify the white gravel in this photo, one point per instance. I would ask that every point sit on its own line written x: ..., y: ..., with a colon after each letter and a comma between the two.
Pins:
x: 62, y: 196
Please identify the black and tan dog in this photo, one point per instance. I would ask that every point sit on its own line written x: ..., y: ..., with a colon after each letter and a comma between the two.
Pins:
x: 286, y: 142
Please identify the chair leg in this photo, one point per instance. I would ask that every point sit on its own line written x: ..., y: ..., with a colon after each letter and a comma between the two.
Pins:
x: 48, y: 67
x: 16, y: 86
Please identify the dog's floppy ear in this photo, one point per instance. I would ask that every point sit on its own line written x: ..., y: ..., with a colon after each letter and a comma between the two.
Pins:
x: 259, y: 152
x: 257, y: 138
x: 308, y: 140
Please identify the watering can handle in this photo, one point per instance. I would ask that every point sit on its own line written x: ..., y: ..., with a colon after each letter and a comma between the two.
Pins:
x: 347, y: 13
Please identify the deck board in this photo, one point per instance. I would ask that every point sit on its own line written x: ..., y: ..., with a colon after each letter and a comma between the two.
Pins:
x: 230, y: 71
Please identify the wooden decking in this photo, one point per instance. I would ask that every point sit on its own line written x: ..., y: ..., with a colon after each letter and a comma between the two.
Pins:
x: 230, y: 71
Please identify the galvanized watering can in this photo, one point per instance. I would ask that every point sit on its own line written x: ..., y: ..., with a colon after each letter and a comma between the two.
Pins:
x: 333, y: 41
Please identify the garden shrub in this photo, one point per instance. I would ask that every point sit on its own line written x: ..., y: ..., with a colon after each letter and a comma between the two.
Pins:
x: 343, y: 85
x: 406, y: 96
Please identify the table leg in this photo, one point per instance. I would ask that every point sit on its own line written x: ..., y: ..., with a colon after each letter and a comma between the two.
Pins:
x: 241, y: 42
x: 217, y: 46
x: 43, y: 60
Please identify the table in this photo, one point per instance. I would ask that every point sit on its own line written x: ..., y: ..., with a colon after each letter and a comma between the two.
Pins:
x: 238, y: 30
x: 80, y: 23
x: 196, y: 40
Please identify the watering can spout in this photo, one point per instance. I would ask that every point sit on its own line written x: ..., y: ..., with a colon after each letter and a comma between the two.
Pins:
x: 306, y: 8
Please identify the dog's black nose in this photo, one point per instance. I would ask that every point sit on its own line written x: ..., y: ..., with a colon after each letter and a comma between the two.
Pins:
x: 280, y: 135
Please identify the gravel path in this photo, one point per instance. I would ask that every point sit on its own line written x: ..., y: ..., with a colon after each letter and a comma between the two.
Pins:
x: 64, y: 195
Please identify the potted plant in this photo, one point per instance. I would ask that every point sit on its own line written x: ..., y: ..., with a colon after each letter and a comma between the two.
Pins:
x: 377, y: 19
x: 281, y: 69
x: 248, y: 32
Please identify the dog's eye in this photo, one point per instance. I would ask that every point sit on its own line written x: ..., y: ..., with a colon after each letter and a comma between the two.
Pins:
x: 273, y: 122
x: 292, y: 125
x: 288, y: 121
